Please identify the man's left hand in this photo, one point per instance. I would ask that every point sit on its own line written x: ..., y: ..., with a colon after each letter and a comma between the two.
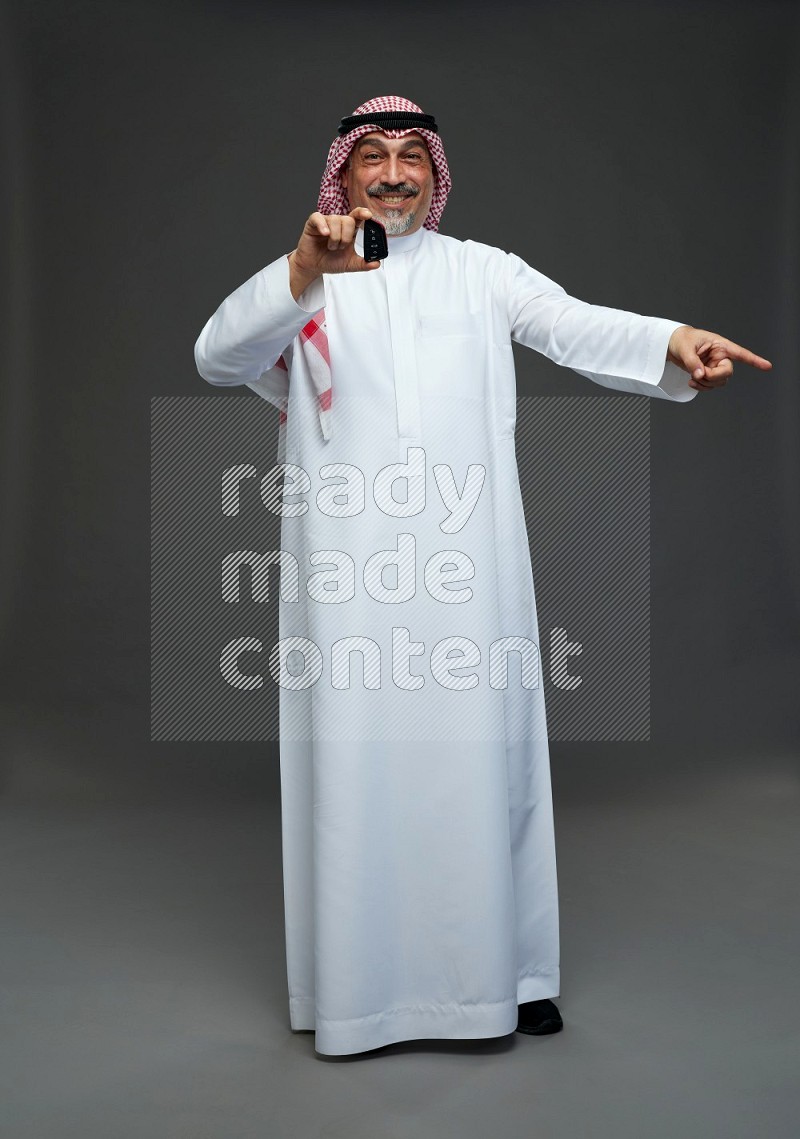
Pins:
x: 708, y: 357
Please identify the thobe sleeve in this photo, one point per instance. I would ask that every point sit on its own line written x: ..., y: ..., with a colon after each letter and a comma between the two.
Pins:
x: 612, y: 347
x: 254, y: 326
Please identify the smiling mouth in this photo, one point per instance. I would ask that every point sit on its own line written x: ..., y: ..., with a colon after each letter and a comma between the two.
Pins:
x: 392, y: 199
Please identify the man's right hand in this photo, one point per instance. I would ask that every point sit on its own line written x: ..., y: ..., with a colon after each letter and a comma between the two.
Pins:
x: 326, y: 245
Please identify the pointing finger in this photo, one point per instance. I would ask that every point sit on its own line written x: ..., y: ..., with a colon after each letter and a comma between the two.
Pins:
x: 737, y: 352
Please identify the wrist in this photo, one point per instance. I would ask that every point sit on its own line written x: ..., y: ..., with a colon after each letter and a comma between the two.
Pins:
x: 674, y: 341
x: 299, y: 280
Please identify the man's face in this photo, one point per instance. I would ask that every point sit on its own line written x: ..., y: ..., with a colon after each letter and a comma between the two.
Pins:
x: 393, y: 177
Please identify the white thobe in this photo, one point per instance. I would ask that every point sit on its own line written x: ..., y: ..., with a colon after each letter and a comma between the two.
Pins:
x: 417, y: 824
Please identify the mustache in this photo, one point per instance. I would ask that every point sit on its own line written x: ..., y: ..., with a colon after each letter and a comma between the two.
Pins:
x: 400, y: 188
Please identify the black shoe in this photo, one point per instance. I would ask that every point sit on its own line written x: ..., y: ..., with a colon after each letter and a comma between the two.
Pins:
x: 539, y: 1018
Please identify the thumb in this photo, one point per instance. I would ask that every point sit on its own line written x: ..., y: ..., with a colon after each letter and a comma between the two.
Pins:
x: 693, y: 364
x: 357, y: 264
x: 684, y: 351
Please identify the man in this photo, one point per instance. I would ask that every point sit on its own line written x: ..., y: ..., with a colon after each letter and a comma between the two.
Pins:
x: 419, y: 862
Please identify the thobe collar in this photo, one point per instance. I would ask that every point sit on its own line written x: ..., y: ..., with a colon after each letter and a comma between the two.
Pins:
x: 402, y: 244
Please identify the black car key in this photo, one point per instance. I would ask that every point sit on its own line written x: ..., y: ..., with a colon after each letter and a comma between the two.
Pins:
x: 376, y: 247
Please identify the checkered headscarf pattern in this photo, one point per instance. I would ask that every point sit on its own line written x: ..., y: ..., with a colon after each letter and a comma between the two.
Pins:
x: 274, y: 384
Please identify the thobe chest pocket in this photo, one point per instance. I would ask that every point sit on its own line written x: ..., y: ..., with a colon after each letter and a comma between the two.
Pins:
x: 450, y: 354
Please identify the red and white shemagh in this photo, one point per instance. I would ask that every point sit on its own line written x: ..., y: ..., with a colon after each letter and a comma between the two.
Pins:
x: 333, y: 200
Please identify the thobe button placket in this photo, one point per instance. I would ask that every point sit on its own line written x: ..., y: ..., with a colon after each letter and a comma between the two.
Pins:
x: 404, y: 359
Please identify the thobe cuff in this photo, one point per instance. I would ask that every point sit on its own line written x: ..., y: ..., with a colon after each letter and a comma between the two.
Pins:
x: 659, y: 377
x: 671, y: 381
x: 254, y: 325
x: 311, y: 300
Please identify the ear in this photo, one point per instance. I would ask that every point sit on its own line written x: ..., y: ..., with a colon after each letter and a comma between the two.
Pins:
x: 344, y: 169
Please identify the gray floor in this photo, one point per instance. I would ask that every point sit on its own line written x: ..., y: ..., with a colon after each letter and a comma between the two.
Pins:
x: 143, y: 971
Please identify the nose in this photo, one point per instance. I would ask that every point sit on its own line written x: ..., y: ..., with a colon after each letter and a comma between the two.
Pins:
x: 393, y: 174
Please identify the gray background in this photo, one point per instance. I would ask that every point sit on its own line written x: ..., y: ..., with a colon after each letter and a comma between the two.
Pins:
x: 157, y: 155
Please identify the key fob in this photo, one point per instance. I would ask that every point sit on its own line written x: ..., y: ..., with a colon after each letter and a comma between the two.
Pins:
x: 376, y: 247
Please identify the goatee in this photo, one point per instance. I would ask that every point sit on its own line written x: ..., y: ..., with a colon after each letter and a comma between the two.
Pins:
x: 399, y: 223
